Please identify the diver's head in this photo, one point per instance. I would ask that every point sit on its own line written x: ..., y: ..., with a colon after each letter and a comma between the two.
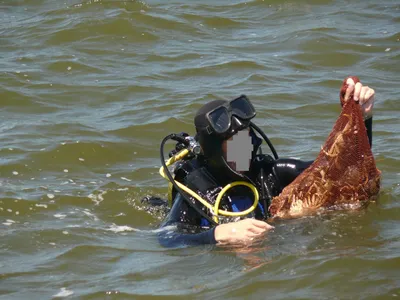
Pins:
x: 224, y: 134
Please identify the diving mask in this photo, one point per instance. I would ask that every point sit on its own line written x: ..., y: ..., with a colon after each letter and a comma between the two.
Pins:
x: 220, y: 118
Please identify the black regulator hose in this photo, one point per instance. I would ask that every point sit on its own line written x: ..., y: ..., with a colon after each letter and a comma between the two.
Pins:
x: 266, y: 139
x: 180, y: 139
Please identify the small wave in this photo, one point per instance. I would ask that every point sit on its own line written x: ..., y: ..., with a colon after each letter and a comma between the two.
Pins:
x: 59, y: 66
x: 121, y: 228
x: 63, y: 293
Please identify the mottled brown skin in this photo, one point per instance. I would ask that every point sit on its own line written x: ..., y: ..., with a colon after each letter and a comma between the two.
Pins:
x: 344, y: 175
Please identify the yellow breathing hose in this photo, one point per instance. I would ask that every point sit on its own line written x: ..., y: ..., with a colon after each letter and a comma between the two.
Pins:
x: 214, y: 209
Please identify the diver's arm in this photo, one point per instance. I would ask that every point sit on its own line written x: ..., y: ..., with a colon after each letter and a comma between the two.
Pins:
x: 368, y: 125
x: 286, y: 170
x: 242, y: 232
x: 181, y: 214
x: 174, y: 239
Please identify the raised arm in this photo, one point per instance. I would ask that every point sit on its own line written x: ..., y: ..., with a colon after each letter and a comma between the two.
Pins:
x: 366, y: 97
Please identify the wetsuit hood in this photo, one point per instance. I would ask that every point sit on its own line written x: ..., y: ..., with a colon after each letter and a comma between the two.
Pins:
x: 211, y: 144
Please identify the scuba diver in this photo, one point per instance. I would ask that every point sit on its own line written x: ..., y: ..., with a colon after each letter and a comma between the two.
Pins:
x: 222, y: 184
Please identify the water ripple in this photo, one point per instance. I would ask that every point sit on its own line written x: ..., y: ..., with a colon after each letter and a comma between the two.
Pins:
x: 89, y: 89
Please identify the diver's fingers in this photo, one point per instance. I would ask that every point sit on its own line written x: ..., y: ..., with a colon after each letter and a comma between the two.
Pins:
x: 368, y: 103
x: 252, y: 235
x: 349, y: 90
x: 350, y: 81
x: 370, y: 94
x: 261, y: 224
x: 358, y: 88
x: 369, y: 98
x: 255, y: 230
x: 363, y: 92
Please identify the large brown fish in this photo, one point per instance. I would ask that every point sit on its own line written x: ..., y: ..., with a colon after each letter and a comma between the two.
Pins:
x: 344, y: 175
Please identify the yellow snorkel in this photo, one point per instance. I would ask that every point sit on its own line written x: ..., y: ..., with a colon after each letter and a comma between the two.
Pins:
x: 194, y: 148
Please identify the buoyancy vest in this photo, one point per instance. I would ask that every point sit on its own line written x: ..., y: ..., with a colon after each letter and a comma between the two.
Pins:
x: 196, y: 177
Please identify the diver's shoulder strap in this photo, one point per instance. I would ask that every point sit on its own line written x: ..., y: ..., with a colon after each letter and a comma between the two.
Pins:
x: 182, y: 170
x: 197, y: 178
x: 201, y: 182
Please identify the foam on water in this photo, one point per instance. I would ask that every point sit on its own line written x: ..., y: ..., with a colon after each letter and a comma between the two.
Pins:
x: 64, y: 292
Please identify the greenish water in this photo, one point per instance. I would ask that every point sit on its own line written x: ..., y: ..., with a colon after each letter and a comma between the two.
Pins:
x: 87, y: 92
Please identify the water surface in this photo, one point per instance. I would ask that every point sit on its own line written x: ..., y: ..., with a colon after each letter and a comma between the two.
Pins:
x: 87, y: 92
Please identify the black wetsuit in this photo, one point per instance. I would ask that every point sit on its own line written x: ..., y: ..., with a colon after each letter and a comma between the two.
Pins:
x: 277, y: 173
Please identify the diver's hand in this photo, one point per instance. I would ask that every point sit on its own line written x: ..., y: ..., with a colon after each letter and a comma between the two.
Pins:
x: 364, y: 94
x: 240, y: 233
